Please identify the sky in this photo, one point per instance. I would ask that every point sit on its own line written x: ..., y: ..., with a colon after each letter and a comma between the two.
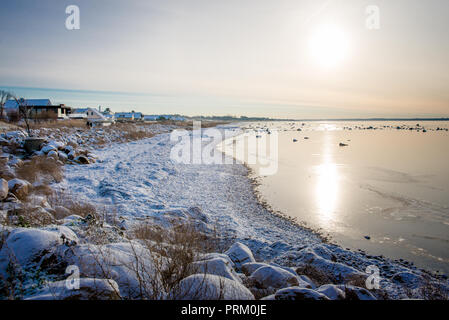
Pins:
x: 275, y: 58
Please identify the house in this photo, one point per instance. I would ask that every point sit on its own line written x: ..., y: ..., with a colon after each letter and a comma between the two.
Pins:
x: 92, y: 116
x: 128, y: 116
x: 163, y: 117
x: 79, y: 113
x: 41, y: 108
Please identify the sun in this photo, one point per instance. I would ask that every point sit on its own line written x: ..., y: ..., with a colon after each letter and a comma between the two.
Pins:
x: 329, y: 46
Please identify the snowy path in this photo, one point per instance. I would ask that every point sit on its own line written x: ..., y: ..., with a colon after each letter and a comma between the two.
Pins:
x: 140, y: 180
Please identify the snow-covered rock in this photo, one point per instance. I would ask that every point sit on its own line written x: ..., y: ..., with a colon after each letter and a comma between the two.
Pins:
x: 298, y: 293
x: 211, y: 287
x: 217, y: 266
x: 32, y: 246
x: 20, y: 188
x: 356, y: 293
x: 332, y: 292
x: 53, y: 154
x: 322, y: 261
x: 273, y: 277
x: 249, y: 267
x: 47, y: 148
x: 89, y: 289
x: 240, y: 254
x: 3, y: 189
x: 127, y: 263
x: 409, y: 279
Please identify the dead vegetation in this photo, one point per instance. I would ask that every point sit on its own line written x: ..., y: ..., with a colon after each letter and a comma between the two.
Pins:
x: 41, y: 169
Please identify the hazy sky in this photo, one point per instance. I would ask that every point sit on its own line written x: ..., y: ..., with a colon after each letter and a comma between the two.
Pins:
x: 240, y: 57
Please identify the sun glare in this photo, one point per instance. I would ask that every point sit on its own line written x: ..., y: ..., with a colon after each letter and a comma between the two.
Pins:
x: 329, y: 46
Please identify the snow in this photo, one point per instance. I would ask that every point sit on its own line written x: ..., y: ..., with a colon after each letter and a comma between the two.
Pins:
x: 218, y: 266
x: 240, y: 254
x: 297, y: 293
x: 212, y: 287
x: 273, y: 277
x: 101, y: 289
x: 140, y: 182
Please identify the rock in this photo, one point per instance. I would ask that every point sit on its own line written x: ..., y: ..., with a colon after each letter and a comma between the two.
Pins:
x: 341, y: 144
x: 217, y: 266
x: 81, y: 159
x: 211, y: 287
x: 33, y: 144
x: 332, y: 292
x: 214, y: 255
x: 356, y: 293
x: 71, y: 155
x: 89, y: 289
x: 46, y: 149
x: 31, y: 246
x: 307, y: 280
x: 6, y: 172
x: 273, y: 277
x: 62, y: 156
x: 3, y: 189
x: 240, y: 254
x: 53, y: 154
x: 20, y: 188
x: 249, y: 267
x: 297, y: 293
x: 407, y: 279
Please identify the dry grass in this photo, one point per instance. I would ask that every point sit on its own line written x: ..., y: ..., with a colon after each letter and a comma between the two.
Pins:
x: 41, y: 169
x: 172, y: 251
x: 53, y: 124
x: 316, y: 275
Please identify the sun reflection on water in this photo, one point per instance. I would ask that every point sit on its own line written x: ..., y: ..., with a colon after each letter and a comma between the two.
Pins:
x: 327, y: 187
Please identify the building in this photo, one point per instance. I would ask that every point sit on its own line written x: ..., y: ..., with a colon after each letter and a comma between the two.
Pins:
x: 40, y: 108
x: 128, y: 116
x: 159, y: 117
x: 92, y: 116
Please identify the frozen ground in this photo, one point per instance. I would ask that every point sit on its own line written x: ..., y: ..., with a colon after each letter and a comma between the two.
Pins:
x: 139, y: 180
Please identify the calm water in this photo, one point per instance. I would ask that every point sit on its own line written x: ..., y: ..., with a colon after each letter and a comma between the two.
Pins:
x: 391, y: 185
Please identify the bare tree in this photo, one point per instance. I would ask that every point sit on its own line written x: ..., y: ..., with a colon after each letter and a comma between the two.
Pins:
x: 25, y: 112
x: 4, y: 96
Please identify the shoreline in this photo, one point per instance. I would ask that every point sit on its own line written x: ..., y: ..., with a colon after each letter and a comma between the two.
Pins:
x: 255, y: 182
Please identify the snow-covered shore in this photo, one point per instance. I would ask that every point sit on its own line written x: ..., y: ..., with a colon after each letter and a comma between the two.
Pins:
x: 140, y: 180
x: 140, y: 184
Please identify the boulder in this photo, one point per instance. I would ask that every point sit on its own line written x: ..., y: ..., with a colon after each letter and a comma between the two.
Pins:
x: 32, y: 144
x: 6, y: 172
x: 81, y: 159
x: 356, y: 293
x: 71, y: 155
x: 297, y: 293
x: 217, y: 266
x: 20, y: 188
x: 62, y: 156
x: 47, y: 148
x: 31, y: 246
x: 273, y: 277
x: 408, y: 279
x: 240, y: 254
x: 332, y: 292
x: 211, y: 287
x: 53, y: 154
x: 249, y: 267
x: 3, y: 189
x: 89, y: 289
